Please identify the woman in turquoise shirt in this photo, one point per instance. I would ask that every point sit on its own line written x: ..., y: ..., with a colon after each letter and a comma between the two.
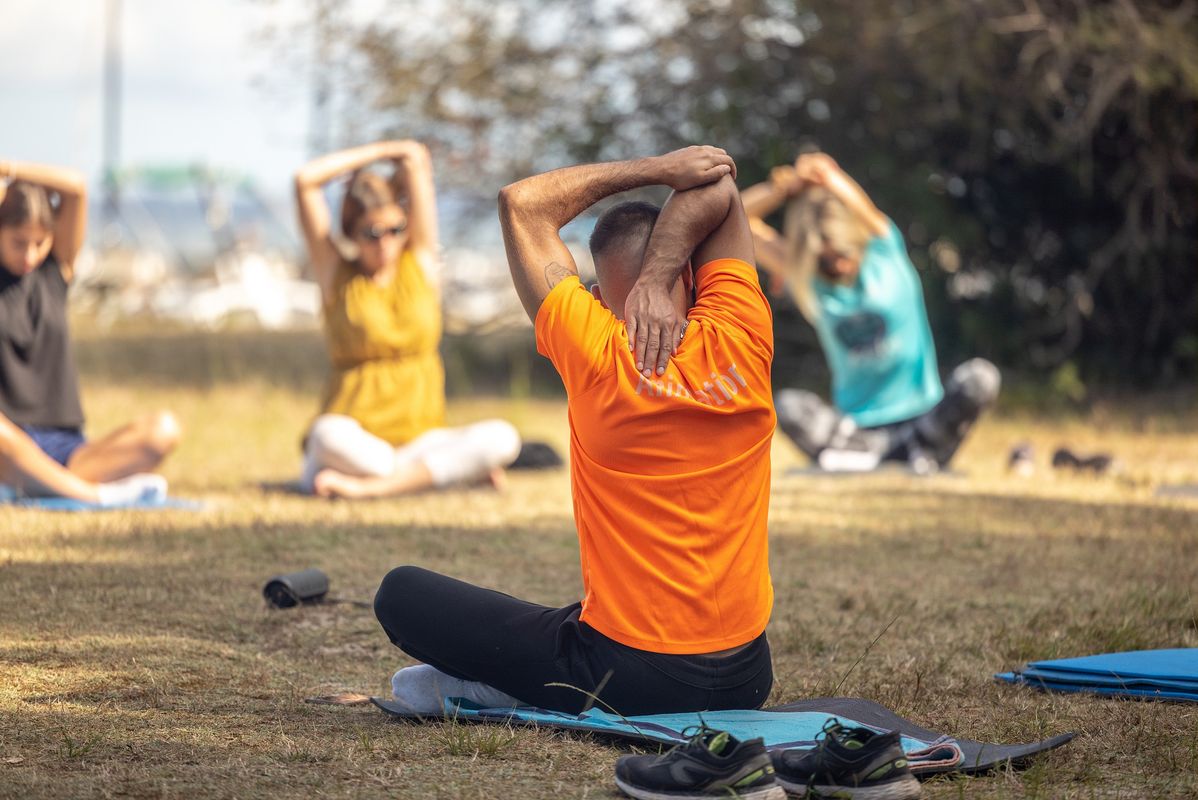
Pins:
x: 847, y: 267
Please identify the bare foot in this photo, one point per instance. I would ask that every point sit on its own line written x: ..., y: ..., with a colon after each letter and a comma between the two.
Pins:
x: 331, y: 483
x: 498, y: 479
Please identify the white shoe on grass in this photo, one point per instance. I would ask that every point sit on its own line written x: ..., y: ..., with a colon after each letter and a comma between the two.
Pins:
x: 141, y: 489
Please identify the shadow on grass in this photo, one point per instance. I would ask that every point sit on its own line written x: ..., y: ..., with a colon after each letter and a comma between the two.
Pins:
x: 951, y: 510
x: 205, y: 577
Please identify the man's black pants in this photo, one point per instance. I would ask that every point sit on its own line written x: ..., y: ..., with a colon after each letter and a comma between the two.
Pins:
x: 521, y: 648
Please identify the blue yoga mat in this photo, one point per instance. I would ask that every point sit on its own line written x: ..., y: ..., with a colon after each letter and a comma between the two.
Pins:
x: 1108, y: 691
x: 67, y: 504
x: 794, y: 724
x: 1162, y: 674
x: 1109, y: 681
x: 780, y: 729
x: 1176, y: 665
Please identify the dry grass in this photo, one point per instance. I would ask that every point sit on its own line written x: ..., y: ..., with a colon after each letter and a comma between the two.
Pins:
x: 138, y: 660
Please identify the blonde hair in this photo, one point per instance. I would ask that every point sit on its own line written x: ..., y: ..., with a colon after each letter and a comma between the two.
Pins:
x: 812, y: 218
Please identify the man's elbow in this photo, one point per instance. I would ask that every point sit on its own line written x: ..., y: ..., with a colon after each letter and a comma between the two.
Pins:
x: 716, y: 199
x: 512, y: 199
x: 726, y: 190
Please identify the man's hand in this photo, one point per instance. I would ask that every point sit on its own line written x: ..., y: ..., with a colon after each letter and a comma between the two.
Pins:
x: 692, y: 166
x: 654, y: 326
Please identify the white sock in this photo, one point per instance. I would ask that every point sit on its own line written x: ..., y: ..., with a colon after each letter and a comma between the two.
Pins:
x: 422, y: 690
x: 848, y: 460
x: 140, y: 488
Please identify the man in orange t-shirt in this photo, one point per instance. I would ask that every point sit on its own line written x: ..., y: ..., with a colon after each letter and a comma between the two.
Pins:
x: 666, y: 365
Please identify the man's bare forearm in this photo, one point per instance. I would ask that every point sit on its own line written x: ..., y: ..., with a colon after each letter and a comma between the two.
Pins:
x: 534, y: 210
x: 554, y: 198
x: 686, y: 221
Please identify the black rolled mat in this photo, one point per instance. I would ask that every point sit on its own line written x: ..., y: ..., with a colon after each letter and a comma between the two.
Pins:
x: 978, y: 756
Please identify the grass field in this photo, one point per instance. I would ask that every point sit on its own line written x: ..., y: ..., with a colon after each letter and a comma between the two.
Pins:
x: 138, y: 659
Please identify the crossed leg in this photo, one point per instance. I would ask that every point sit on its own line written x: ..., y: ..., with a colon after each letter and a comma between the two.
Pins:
x: 25, y: 466
x: 136, y: 448
x: 342, y: 459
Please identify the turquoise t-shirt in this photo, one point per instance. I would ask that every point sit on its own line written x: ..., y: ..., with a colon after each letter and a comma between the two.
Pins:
x: 877, y: 340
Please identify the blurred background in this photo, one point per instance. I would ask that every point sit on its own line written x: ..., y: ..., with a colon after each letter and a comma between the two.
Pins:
x: 1039, y: 156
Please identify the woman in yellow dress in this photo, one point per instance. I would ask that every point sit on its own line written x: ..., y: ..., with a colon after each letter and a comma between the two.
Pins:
x: 381, y: 430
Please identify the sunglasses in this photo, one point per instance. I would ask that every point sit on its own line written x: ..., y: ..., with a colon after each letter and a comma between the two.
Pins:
x: 376, y: 232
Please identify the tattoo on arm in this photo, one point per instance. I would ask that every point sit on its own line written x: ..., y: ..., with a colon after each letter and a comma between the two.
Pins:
x: 555, y: 273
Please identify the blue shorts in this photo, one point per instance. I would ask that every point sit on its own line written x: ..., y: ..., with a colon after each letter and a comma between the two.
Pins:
x: 58, y: 443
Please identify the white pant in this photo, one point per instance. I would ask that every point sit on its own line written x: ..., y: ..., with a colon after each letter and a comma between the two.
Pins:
x: 451, y: 455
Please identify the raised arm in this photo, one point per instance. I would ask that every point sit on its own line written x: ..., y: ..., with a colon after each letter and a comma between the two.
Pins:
x: 765, y: 198
x: 414, y: 177
x: 534, y: 210
x: 70, y: 223
x: 696, y: 226
x: 762, y: 200
x: 820, y: 170
x: 314, y: 215
x: 770, y: 249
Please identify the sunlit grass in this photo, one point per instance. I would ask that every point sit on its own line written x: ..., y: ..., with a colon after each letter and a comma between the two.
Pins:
x: 138, y: 658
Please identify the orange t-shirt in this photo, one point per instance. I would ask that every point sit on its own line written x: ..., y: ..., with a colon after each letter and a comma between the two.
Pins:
x: 671, y: 474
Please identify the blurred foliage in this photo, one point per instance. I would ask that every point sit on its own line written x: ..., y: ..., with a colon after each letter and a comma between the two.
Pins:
x: 1039, y: 155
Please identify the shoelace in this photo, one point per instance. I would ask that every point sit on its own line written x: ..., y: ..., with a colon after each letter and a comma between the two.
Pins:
x: 692, y: 739
x: 828, y: 732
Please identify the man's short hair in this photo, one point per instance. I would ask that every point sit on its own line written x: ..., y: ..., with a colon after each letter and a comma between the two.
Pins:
x: 623, y: 224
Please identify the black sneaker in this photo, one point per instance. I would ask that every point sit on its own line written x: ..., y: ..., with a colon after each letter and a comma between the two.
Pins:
x: 1098, y: 463
x: 854, y: 763
x: 712, y: 764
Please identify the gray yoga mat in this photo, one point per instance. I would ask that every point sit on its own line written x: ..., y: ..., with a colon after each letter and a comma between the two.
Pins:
x: 977, y: 756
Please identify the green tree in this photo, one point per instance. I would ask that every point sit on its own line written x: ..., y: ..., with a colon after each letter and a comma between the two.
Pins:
x: 1038, y: 154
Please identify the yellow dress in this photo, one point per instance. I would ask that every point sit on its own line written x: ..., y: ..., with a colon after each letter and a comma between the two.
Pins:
x: 382, y: 340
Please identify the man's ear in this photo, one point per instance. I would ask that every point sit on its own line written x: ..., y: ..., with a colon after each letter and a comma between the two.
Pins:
x: 597, y: 294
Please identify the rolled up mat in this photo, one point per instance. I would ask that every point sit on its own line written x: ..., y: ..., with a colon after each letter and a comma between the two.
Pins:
x: 287, y: 591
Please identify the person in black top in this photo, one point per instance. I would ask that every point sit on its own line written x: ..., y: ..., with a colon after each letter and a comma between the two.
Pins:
x: 42, y: 447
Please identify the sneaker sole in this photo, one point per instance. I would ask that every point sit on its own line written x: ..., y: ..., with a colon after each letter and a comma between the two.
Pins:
x: 907, y: 788
x: 775, y: 792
